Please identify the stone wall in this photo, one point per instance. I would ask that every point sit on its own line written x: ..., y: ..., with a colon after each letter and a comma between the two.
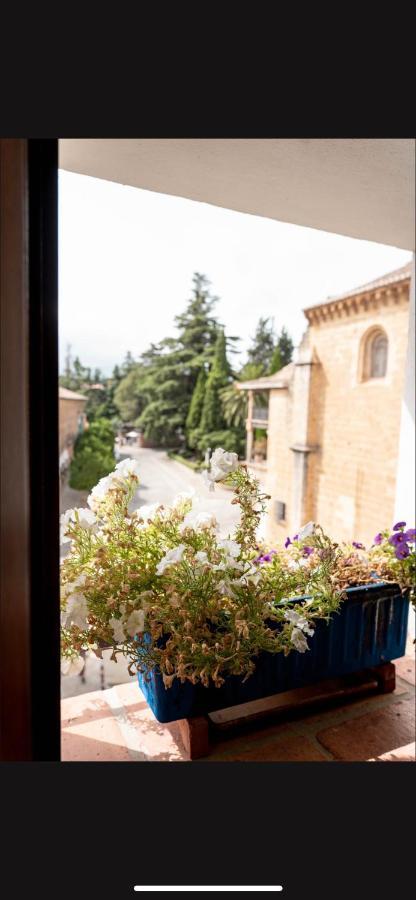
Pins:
x: 69, y: 412
x: 353, y: 425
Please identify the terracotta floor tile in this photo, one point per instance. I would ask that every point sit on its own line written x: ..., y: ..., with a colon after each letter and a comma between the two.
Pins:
x: 288, y: 748
x: 405, y: 668
x: 90, y: 731
x: 401, y: 754
x: 372, y: 735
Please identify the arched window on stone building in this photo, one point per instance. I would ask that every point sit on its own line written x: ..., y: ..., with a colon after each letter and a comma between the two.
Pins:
x: 374, y: 356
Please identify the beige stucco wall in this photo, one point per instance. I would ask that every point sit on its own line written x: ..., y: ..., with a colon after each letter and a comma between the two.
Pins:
x: 279, y: 459
x: 69, y: 412
x: 355, y: 426
x: 357, y: 466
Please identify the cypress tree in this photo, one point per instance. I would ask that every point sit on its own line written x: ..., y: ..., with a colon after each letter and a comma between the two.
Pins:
x: 195, y: 409
x: 212, y: 417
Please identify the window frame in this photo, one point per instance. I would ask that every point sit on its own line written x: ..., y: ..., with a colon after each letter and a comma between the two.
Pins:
x: 366, y: 355
x: 29, y: 599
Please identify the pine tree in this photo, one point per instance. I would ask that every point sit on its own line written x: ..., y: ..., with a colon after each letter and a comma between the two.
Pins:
x: 283, y: 352
x: 262, y: 345
x: 128, y: 363
x: 166, y: 375
x: 197, y: 326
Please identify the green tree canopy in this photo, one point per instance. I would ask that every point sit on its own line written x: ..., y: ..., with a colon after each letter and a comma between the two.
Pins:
x: 212, y: 416
x: 157, y: 397
x: 93, y: 455
x: 283, y: 352
x: 262, y: 345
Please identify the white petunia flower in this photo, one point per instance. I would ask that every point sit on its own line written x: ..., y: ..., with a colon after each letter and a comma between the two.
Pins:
x: 298, y: 621
x: 70, y: 587
x: 72, y: 666
x: 228, y: 563
x: 221, y: 464
x: 127, y: 467
x: 66, y: 518
x: 298, y: 640
x: 86, y: 518
x: 183, y: 497
x: 223, y: 461
x: 116, y: 626
x: 224, y: 587
x: 148, y: 512
x: 171, y: 557
x: 231, y: 547
x: 135, y: 622
x: 99, y: 492
x: 76, y: 611
x: 253, y: 574
x: 201, y: 556
x: 198, y: 520
x: 306, y: 531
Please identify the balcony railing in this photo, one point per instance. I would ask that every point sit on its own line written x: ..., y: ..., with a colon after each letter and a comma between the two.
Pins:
x: 260, y: 413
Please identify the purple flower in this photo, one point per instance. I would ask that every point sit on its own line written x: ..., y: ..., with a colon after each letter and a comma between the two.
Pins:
x: 397, y: 539
x: 324, y: 554
x: 266, y: 558
x: 410, y: 535
x: 402, y: 551
x: 399, y: 525
x: 358, y: 546
x: 287, y: 542
x: 378, y: 538
x: 295, y: 538
x: 307, y: 551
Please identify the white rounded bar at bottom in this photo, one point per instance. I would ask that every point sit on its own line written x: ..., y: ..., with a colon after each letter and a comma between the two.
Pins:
x: 209, y: 887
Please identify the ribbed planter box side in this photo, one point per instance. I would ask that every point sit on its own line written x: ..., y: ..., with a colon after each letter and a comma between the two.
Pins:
x: 369, y: 629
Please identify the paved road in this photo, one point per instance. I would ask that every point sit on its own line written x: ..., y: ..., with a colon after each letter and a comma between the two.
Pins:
x: 161, y: 479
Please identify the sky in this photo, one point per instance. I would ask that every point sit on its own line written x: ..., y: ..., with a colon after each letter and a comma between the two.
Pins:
x: 127, y: 257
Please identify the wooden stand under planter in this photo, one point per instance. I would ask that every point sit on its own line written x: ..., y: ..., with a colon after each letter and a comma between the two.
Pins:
x: 197, y: 732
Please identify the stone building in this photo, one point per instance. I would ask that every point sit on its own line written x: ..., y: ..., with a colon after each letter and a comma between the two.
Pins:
x: 333, y: 416
x: 72, y: 421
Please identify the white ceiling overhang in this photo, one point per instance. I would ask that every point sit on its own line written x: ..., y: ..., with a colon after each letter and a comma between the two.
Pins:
x: 363, y: 188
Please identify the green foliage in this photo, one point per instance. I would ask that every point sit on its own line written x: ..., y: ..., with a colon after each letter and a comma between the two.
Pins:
x: 212, y: 416
x: 195, y: 409
x: 166, y: 592
x: 156, y: 393
x: 93, y: 455
x: 262, y: 346
x: 234, y: 401
x: 228, y: 439
x: 197, y: 326
x: 88, y: 466
x: 182, y: 389
x: 283, y: 352
x: 128, y: 395
x: 126, y: 366
x: 76, y: 376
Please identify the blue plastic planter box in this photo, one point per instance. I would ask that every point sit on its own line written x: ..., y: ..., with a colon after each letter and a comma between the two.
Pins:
x: 369, y: 629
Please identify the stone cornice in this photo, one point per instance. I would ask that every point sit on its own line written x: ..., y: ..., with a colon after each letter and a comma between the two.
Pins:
x: 364, y: 301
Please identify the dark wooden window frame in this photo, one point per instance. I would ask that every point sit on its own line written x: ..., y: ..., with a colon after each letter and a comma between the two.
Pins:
x: 29, y: 544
